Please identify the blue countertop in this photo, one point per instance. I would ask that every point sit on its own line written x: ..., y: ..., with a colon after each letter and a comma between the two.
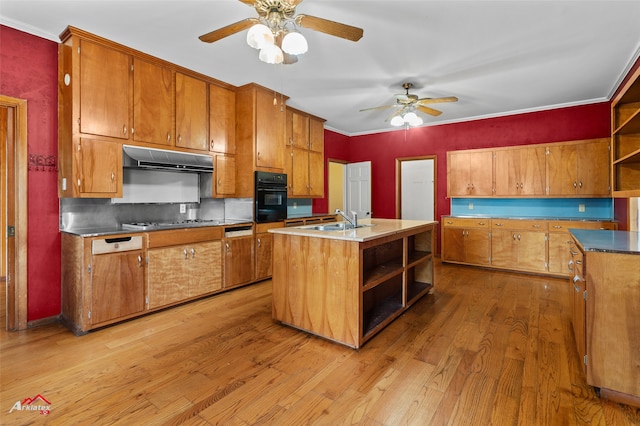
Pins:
x: 607, y: 241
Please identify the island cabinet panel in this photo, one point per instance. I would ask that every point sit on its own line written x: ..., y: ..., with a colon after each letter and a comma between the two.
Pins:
x: 347, y: 290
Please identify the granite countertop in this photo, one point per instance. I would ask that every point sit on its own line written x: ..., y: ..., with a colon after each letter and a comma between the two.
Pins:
x: 607, y: 241
x: 98, y: 231
x: 374, y: 228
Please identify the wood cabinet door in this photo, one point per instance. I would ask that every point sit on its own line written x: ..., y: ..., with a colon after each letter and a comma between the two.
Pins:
x: 481, y: 172
x: 458, y: 174
x: 153, y: 91
x: 453, y: 244
x: 316, y: 174
x: 561, y: 169
x: 477, y: 246
x: 504, y: 248
x: 288, y: 169
x: 299, y: 130
x: 225, y: 175
x: 300, y: 172
x: 593, y: 168
x: 269, y: 129
x: 238, y: 253
x: 316, y: 135
x: 470, y: 174
x: 264, y: 255
x: 222, y: 119
x: 205, y: 267
x: 100, y: 164
x: 532, y: 251
x: 520, y: 172
x: 191, y: 113
x: 117, y: 285
x: 104, y: 91
x: 167, y: 276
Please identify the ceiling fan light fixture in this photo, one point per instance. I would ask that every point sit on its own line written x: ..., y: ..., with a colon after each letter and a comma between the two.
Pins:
x: 397, y: 121
x: 271, y: 54
x: 294, y: 43
x: 413, y: 119
x: 259, y: 36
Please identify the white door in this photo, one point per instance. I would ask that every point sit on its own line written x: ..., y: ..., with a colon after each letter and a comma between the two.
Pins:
x: 359, y: 189
x: 417, y: 179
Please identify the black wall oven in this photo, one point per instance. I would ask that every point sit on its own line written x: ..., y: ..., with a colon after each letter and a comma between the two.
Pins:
x: 271, y: 197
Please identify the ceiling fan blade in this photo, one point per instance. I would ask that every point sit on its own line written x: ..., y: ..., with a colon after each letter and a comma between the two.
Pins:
x: 330, y: 27
x: 248, y: 2
x: 378, y: 107
x: 399, y: 111
x: 294, y: 3
x: 428, y: 110
x: 436, y: 100
x: 223, y: 32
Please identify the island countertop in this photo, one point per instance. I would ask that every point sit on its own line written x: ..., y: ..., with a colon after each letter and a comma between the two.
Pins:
x: 608, y: 241
x: 375, y: 228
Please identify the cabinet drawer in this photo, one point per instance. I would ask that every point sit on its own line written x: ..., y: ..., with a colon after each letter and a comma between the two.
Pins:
x: 465, y: 222
x: 521, y: 224
x: 116, y: 244
x: 565, y: 225
x: 184, y: 236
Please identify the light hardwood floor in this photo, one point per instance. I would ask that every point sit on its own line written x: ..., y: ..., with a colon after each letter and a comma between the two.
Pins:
x: 485, y: 348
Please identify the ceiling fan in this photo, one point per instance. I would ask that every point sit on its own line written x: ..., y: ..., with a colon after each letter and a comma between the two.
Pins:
x: 407, y: 104
x: 274, y: 30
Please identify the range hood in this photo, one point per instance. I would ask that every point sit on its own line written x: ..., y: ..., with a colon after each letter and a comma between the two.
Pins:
x: 161, y: 159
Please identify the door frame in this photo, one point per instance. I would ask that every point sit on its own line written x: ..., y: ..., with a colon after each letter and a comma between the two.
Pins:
x: 15, y: 165
x: 399, y: 162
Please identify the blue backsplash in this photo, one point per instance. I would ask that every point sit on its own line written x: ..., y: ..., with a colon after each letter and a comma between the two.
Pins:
x: 563, y: 208
x: 299, y: 207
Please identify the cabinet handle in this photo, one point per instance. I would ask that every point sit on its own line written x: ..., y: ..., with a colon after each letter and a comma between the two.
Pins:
x: 514, y: 237
x: 227, y: 247
x: 113, y: 177
x: 449, y: 222
x: 186, y: 256
x: 481, y: 223
x: 576, y: 279
x: 168, y: 137
x: 193, y: 253
x: 578, y: 262
x: 575, y: 184
x: 124, y: 130
x: 557, y: 227
x: 576, y: 288
x: 536, y: 226
x: 519, y: 237
x: 179, y: 138
x: 573, y: 253
x: 139, y: 260
x: 580, y: 184
x: 259, y: 243
x: 498, y: 224
x: 258, y: 155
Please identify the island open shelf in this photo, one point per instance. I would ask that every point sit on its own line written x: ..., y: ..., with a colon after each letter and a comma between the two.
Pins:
x: 346, y: 286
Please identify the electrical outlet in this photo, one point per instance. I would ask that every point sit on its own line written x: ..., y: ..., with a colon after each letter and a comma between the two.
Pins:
x: 470, y: 206
x: 183, y: 208
x: 295, y: 205
x: 581, y: 208
x: 64, y: 184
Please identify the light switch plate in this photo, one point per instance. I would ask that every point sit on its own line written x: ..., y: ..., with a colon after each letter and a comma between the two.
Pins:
x: 581, y: 208
x: 183, y: 208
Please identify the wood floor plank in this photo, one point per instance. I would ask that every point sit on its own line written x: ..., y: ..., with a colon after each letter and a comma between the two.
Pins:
x: 487, y: 347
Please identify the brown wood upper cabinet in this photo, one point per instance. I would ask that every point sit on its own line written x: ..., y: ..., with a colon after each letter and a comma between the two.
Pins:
x: 578, y: 168
x: 153, y: 90
x: 470, y: 173
x: 561, y: 169
x: 260, y: 132
x: 520, y: 171
x: 304, y: 157
x: 192, y: 115
x: 222, y: 139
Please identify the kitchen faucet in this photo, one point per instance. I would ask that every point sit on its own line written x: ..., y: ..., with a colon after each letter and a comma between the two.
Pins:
x: 353, y: 222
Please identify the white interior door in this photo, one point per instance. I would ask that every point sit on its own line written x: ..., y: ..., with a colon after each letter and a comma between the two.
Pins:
x: 417, y: 179
x: 359, y: 188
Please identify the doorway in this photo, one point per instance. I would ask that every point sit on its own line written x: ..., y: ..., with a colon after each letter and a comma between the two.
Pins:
x: 359, y: 189
x: 416, y: 188
x: 14, y: 160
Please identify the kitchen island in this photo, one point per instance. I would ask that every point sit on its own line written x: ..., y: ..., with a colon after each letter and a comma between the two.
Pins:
x: 348, y: 284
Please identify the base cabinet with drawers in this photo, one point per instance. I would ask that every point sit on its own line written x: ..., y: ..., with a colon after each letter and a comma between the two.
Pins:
x: 606, y: 321
x: 525, y: 245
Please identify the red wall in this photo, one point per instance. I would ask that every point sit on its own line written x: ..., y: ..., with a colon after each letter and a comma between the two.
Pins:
x: 28, y: 70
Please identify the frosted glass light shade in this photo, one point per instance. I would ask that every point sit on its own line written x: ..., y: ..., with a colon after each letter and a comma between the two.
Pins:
x: 409, y: 117
x: 259, y: 36
x: 294, y: 43
x: 397, y: 121
x: 414, y: 120
x: 271, y: 54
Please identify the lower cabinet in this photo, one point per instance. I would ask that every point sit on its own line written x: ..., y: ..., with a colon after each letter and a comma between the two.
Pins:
x: 577, y: 297
x: 264, y: 249
x: 183, y: 272
x: 102, y: 280
x: 466, y: 240
x: 238, y: 256
x: 536, y: 246
x: 519, y: 244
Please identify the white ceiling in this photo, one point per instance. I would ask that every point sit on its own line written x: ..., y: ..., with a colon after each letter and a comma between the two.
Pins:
x: 497, y: 57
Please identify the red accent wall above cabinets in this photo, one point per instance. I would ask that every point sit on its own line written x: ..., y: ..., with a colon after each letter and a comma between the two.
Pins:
x: 29, y: 70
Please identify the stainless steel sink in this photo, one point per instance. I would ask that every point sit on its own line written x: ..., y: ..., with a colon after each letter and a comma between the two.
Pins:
x: 340, y: 226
